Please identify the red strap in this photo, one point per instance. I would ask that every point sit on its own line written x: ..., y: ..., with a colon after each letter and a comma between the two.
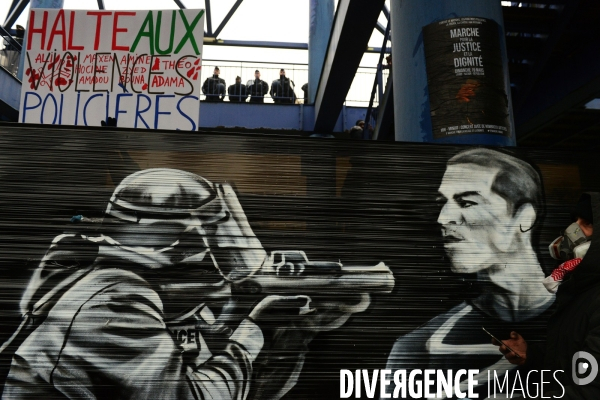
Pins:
x: 563, y: 269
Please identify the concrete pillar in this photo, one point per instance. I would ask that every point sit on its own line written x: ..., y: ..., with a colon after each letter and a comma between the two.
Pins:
x: 36, y: 4
x: 412, y: 107
x: 320, y: 22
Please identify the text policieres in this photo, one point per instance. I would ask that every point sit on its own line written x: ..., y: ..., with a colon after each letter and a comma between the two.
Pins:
x: 146, y: 112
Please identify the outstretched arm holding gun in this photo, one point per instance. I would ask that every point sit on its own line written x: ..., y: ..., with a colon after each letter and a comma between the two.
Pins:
x: 332, y: 293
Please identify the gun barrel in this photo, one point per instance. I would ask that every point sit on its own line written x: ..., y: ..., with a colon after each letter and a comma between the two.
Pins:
x: 377, y: 279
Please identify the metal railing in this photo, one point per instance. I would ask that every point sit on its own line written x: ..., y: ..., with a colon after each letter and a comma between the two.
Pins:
x: 358, y: 95
x: 10, y: 52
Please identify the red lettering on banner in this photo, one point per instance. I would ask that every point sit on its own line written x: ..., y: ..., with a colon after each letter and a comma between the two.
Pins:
x: 71, y: 26
x: 60, y: 17
x: 99, y: 15
x: 32, y: 29
x: 116, y: 30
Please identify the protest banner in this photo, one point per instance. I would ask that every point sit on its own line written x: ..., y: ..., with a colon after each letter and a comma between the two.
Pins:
x: 141, y: 67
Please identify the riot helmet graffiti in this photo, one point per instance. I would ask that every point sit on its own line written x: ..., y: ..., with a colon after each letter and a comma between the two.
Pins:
x: 172, y: 218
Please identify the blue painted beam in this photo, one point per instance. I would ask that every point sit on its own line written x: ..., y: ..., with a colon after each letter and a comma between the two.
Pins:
x: 7, y: 36
x: 377, y: 82
x: 209, y: 41
x: 209, y: 31
x: 320, y: 21
x: 227, y: 17
x: 385, y: 114
x: 15, y: 13
x: 12, y: 6
x: 377, y: 50
x: 293, y: 117
x: 386, y: 12
x: 10, y: 89
x: 352, y: 27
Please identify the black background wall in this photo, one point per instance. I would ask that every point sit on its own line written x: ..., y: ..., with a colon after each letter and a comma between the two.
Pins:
x: 353, y: 201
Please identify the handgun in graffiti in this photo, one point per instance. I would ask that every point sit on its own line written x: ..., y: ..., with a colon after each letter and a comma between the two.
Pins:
x: 286, y: 272
x: 290, y: 272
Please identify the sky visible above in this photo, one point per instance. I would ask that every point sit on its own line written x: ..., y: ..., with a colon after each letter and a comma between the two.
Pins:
x: 260, y: 20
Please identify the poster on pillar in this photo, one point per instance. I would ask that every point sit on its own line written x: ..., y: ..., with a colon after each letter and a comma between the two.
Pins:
x: 465, y: 76
x: 135, y: 69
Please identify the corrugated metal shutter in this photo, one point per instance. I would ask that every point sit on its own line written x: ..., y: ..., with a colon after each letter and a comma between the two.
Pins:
x: 350, y: 202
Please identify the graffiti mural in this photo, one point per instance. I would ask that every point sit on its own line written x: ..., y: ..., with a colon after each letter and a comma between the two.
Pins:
x: 489, y: 205
x: 126, y: 311
x: 171, y: 265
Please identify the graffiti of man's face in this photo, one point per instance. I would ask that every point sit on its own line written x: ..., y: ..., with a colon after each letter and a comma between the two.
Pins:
x: 476, y: 222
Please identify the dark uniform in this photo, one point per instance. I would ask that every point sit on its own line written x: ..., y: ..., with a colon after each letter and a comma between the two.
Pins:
x: 282, y: 91
x: 238, y: 93
x: 214, y: 88
x: 257, y: 90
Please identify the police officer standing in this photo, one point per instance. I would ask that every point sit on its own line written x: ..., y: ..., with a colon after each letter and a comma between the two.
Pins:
x: 257, y: 88
x: 214, y: 87
x: 238, y: 93
x: 282, y: 89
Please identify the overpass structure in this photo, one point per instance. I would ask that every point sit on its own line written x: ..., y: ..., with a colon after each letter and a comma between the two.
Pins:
x: 553, y: 64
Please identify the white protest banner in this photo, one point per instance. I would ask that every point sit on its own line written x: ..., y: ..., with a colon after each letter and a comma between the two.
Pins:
x: 141, y: 67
